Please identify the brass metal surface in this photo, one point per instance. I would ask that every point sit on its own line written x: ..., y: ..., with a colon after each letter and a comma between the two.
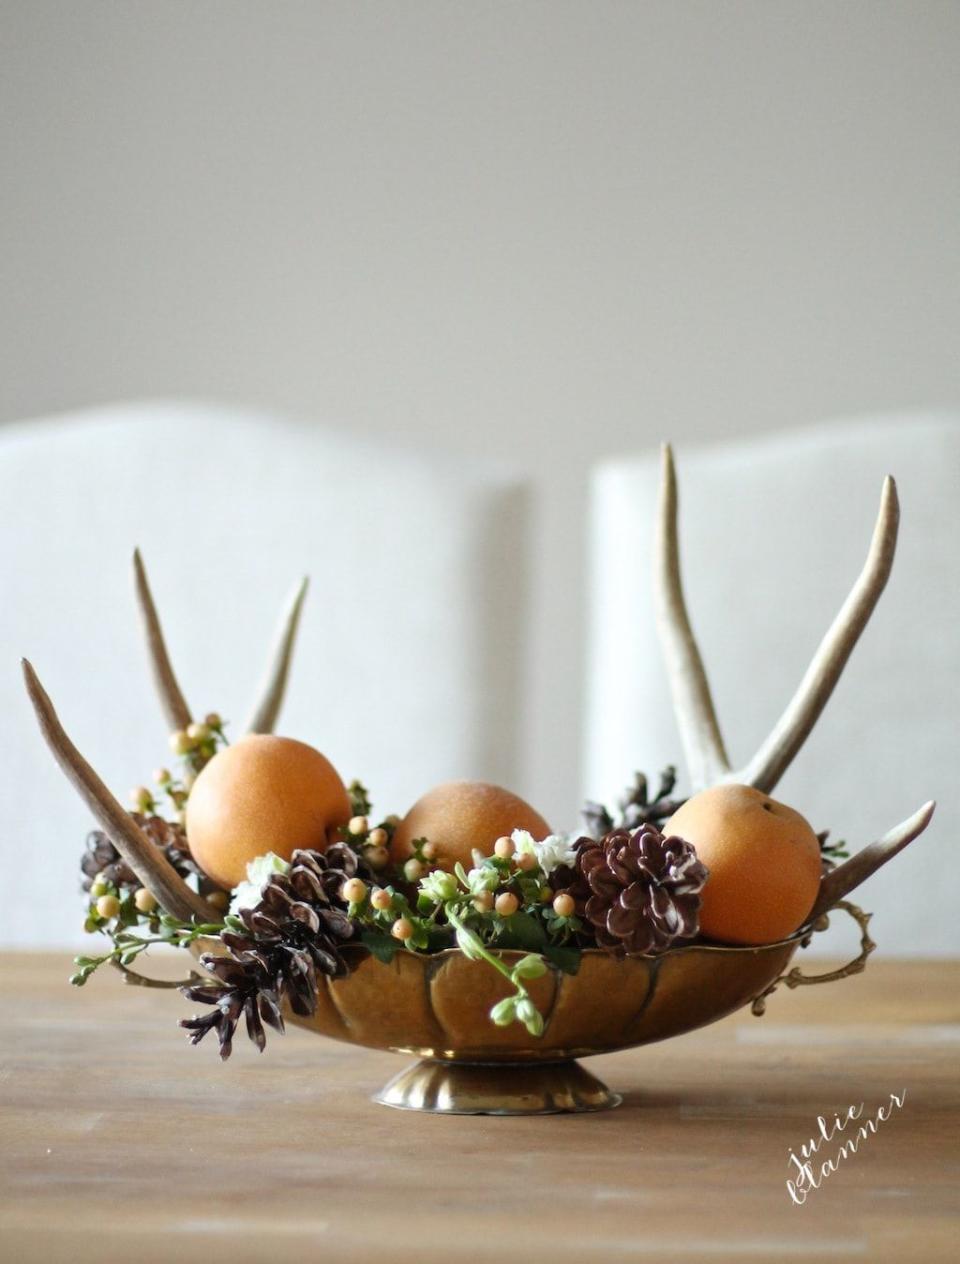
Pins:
x: 467, y: 1088
x: 796, y: 978
x: 437, y: 1008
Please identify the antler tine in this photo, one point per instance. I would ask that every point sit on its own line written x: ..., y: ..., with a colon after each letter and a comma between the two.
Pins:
x: 267, y: 708
x: 147, y: 861
x: 842, y: 880
x: 790, y: 732
x: 171, y: 699
x: 699, y: 731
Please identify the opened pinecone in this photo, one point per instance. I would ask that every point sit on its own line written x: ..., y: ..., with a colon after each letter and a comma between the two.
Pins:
x: 636, y: 806
x: 639, y: 890
x: 293, y: 935
x: 101, y: 857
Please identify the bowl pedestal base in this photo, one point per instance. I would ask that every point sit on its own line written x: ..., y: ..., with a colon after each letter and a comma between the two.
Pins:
x: 497, y: 1088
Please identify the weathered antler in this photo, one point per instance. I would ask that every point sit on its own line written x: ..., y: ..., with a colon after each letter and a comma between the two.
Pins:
x: 845, y: 878
x: 267, y: 707
x: 171, y: 698
x: 703, y: 746
x: 692, y: 704
x: 147, y: 861
x: 790, y: 732
x: 264, y: 715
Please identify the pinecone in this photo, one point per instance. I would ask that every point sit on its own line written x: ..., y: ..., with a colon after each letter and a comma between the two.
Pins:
x: 635, y: 806
x: 246, y: 988
x: 639, y: 890
x: 295, y: 932
x: 102, y: 857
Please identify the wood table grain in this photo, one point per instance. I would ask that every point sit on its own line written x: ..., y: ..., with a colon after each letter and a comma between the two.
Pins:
x: 119, y: 1141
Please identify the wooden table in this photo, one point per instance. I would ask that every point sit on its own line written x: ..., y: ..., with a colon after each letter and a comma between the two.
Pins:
x: 119, y: 1141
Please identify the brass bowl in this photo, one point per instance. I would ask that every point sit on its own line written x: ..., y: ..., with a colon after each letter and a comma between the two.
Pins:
x: 437, y: 1008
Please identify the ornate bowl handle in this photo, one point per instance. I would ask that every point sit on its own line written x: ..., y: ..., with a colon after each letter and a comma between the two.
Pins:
x: 796, y: 978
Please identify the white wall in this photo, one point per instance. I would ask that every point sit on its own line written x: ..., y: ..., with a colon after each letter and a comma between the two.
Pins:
x: 548, y: 232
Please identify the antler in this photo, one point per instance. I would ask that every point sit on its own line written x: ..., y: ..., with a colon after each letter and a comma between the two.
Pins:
x: 791, y: 730
x: 692, y: 703
x: 147, y: 861
x: 703, y: 746
x: 842, y: 880
x: 171, y: 698
x: 265, y: 711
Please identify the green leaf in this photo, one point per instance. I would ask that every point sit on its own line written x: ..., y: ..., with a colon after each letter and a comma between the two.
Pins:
x: 505, y: 1011
x: 524, y: 931
x: 438, y: 938
x: 564, y: 958
x: 420, y: 939
x: 531, y: 967
x: 530, y: 1016
x: 383, y: 947
x: 359, y: 798
x: 129, y: 913
x: 534, y: 1023
x: 469, y: 944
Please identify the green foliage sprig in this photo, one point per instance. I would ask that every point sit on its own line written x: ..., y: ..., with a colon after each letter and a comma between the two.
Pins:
x: 458, y: 909
x: 128, y: 944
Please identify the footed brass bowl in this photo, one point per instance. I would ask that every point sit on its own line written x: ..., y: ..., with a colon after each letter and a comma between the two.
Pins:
x: 437, y: 1008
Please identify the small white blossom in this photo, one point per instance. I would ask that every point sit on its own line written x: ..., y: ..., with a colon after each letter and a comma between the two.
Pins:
x: 439, y: 886
x: 483, y: 878
x: 553, y: 851
x: 259, y: 872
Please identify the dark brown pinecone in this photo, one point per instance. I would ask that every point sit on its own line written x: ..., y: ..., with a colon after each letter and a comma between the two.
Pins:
x: 238, y: 988
x: 635, y: 807
x: 293, y: 934
x: 102, y: 857
x: 639, y: 890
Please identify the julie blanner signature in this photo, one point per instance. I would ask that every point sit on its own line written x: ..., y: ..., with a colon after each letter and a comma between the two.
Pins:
x: 810, y: 1170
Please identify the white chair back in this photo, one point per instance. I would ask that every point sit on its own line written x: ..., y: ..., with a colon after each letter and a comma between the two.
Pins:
x: 406, y: 669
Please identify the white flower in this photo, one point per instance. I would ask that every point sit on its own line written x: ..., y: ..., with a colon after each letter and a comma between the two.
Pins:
x: 439, y: 886
x: 553, y: 851
x: 483, y: 878
x: 259, y: 872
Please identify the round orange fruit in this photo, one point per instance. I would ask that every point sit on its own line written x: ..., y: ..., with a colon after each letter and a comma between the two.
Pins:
x: 459, y: 816
x: 262, y: 794
x: 764, y: 862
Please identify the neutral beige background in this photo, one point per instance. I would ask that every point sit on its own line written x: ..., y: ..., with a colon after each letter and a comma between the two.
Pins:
x: 549, y: 232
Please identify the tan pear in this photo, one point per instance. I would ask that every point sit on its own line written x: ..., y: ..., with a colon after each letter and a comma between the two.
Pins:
x: 459, y: 816
x: 764, y: 862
